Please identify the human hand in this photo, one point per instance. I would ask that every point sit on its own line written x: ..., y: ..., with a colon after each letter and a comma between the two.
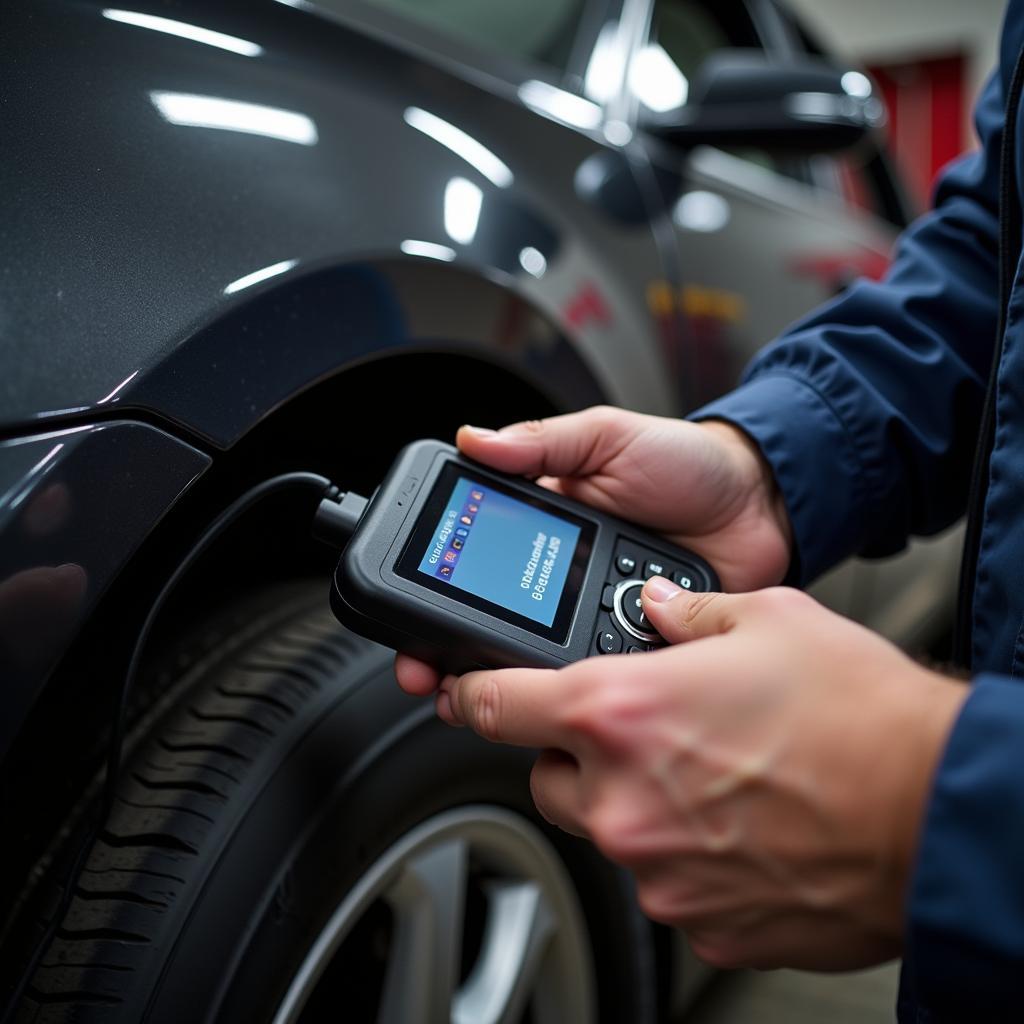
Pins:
x: 705, y: 486
x: 764, y: 779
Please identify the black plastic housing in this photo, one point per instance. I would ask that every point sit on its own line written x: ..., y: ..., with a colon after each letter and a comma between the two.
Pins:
x: 370, y: 597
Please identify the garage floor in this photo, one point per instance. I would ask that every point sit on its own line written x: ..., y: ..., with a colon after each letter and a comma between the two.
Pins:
x: 792, y: 997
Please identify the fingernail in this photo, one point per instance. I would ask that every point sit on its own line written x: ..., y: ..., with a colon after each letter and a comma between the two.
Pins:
x: 479, y: 431
x: 659, y: 589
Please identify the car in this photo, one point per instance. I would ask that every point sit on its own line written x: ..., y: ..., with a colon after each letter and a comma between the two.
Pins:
x: 244, y: 240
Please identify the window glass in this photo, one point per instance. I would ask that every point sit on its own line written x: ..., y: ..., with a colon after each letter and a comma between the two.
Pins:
x: 684, y: 33
x: 541, y: 31
x: 862, y: 178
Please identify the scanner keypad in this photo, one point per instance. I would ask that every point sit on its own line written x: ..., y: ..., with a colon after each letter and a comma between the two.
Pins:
x: 621, y: 624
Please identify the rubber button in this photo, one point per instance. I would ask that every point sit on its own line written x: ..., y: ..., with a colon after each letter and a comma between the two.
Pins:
x: 626, y: 565
x: 687, y: 578
x: 654, y: 568
x: 633, y: 649
x: 608, y: 597
x: 609, y: 642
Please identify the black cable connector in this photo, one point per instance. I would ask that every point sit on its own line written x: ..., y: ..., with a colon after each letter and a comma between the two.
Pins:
x: 338, y: 516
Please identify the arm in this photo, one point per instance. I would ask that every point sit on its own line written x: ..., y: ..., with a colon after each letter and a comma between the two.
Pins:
x: 965, y: 932
x: 868, y: 409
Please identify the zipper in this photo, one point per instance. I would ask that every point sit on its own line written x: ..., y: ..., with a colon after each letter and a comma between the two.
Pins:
x: 1009, y: 254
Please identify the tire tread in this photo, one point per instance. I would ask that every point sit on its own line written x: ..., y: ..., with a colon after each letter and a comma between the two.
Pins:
x: 175, y: 791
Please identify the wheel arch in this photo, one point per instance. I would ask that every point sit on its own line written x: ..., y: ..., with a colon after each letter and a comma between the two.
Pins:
x: 347, y: 425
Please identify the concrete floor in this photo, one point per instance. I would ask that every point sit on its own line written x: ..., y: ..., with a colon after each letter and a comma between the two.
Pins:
x: 792, y: 997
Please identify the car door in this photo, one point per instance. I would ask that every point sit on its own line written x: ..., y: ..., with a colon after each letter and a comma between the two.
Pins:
x: 761, y: 240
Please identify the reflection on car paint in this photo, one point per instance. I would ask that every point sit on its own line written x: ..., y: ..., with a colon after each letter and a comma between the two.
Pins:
x: 65, y: 499
x: 184, y: 30
x: 587, y: 306
x: 248, y: 280
x: 461, y: 144
x: 232, y: 115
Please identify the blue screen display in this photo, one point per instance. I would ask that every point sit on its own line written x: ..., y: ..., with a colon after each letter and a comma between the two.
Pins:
x: 502, y: 550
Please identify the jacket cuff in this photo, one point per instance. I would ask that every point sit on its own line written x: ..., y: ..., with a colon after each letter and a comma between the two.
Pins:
x: 966, y: 902
x: 814, y: 461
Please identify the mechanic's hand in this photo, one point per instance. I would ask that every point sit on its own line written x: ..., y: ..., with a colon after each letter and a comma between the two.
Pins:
x: 765, y: 779
x: 705, y: 486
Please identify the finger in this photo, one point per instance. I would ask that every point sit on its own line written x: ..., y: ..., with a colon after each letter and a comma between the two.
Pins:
x: 416, y: 677
x: 555, y: 785
x: 443, y: 704
x: 519, y: 706
x: 679, y: 615
x: 576, y: 444
x: 552, y: 483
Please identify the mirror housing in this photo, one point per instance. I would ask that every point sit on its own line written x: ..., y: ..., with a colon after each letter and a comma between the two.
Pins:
x: 741, y: 98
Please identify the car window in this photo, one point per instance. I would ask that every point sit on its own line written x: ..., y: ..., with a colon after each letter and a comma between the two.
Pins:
x: 862, y: 178
x: 539, y: 31
x: 684, y: 33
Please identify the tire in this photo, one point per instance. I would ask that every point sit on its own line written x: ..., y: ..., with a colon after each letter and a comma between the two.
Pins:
x: 294, y: 839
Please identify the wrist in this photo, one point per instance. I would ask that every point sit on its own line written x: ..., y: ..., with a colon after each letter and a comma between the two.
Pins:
x: 764, y: 489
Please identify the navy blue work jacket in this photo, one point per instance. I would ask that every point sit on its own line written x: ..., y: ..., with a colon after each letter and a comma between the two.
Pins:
x: 868, y: 411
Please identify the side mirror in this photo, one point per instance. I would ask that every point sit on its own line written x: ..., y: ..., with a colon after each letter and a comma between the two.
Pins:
x: 741, y: 98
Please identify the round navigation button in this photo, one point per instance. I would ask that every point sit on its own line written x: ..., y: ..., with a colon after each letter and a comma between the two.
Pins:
x: 629, y: 611
x: 633, y: 610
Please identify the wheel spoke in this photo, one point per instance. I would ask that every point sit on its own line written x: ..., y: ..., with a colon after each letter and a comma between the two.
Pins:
x: 519, y: 926
x: 427, y: 898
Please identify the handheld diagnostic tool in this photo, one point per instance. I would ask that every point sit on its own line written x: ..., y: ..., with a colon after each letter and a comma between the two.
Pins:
x: 466, y: 568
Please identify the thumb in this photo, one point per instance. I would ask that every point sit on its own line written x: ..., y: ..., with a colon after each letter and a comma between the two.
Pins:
x: 576, y: 444
x: 679, y: 615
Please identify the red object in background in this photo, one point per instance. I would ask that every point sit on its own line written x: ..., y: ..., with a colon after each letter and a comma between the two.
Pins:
x: 587, y: 306
x: 837, y: 270
x: 926, y: 105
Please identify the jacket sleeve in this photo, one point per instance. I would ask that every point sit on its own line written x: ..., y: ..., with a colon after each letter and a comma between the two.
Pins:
x: 965, y: 941
x: 868, y: 409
